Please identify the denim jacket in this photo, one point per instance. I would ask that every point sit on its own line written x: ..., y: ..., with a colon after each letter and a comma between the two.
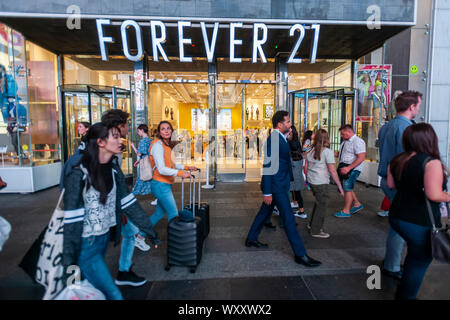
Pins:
x: 74, y: 211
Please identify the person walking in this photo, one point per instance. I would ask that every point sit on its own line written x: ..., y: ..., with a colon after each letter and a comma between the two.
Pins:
x: 96, y: 195
x: 319, y: 167
x: 297, y: 169
x: 165, y: 171
x: 140, y: 188
x: 390, y: 144
x: 275, y: 183
x: 351, y: 162
x: 416, y: 174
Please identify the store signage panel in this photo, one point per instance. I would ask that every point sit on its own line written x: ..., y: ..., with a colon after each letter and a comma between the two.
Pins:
x: 158, y: 38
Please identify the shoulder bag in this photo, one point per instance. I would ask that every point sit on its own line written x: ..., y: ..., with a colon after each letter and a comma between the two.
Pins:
x: 440, y: 238
x: 145, y: 169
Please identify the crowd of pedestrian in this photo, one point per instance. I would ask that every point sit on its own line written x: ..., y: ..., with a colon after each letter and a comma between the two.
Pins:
x: 99, y: 205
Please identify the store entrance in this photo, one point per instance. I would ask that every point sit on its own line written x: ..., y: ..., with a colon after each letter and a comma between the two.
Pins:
x: 323, y: 108
x: 86, y: 103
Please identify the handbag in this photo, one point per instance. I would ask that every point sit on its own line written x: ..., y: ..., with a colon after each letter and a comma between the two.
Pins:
x: 145, y: 169
x: 43, y: 261
x: 343, y: 176
x: 82, y: 291
x: 440, y: 238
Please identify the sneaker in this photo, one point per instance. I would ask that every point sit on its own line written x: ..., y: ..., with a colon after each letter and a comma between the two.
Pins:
x: 356, y: 209
x: 322, y: 235
x: 301, y: 215
x: 342, y: 214
x: 154, y: 202
x: 383, y: 213
x: 129, y: 278
x: 293, y: 205
x: 140, y: 243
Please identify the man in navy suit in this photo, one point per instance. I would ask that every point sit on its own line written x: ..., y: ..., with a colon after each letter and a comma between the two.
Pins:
x: 275, y: 183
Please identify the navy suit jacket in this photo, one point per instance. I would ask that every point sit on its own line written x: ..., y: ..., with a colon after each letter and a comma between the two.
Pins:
x: 277, y: 168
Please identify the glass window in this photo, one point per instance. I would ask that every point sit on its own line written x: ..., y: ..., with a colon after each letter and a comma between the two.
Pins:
x: 14, y: 133
x: 42, y: 85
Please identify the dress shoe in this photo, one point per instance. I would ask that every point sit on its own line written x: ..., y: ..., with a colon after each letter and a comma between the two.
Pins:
x: 270, y: 225
x: 307, y: 261
x: 396, y: 275
x: 256, y: 244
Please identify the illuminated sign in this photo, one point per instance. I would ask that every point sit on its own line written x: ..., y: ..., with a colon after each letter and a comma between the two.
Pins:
x: 158, y: 38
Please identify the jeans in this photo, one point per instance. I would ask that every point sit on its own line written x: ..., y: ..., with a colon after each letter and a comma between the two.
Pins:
x: 418, y: 257
x: 394, y: 242
x: 166, y: 202
x: 127, y: 248
x: 349, y: 184
x: 93, y: 266
x: 317, y: 220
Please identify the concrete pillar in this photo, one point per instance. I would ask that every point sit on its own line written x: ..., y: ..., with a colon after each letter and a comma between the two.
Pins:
x: 281, y: 90
x: 438, y: 111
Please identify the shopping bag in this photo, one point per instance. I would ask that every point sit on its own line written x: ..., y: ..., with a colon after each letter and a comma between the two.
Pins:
x: 5, y: 230
x: 49, y: 269
x: 386, y: 204
x: 82, y: 291
x: 145, y: 169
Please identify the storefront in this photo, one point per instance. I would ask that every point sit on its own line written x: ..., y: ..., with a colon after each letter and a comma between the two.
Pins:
x: 217, y: 80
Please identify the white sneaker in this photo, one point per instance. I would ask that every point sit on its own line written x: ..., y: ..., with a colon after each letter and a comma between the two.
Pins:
x: 293, y: 205
x: 383, y: 213
x: 322, y: 235
x: 154, y: 202
x: 301, y: 215
x: 140, y: 243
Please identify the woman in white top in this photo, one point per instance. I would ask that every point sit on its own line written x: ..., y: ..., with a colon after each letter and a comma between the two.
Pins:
x: 319, y: 166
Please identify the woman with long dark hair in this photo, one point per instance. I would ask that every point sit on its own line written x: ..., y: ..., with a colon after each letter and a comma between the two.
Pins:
x: 416, y: 173
x: 96, y: 195
x: 297, y: 169
x: 319, y: 167
x: 164, y: 172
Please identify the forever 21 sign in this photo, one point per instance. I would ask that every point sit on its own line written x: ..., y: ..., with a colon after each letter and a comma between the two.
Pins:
x: 158, y: 35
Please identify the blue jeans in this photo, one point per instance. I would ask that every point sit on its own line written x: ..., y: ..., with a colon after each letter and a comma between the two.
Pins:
x: 418, y: 257
x: 349, y: 184
x: 394, y: 242
x: 93, y: 266
x: 166, y: 202
x: 127, y: 248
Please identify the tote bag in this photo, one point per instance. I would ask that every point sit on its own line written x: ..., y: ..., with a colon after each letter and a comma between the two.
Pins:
x: 49, y: 270
x: 145, y: 169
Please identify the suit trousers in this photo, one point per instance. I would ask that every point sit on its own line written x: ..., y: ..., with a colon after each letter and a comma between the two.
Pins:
x: 283, y: 203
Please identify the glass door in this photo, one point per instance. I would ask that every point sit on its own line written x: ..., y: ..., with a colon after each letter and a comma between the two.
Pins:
x: 336, y: 116
x: 235, y: 142
x: 77, y: 110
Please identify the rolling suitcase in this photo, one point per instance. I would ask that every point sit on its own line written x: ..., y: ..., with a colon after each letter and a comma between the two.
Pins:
x: 202, y: 209
x: 185, y: 237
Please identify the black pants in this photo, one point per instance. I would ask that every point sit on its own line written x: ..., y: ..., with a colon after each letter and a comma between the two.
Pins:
x: 297, y: 196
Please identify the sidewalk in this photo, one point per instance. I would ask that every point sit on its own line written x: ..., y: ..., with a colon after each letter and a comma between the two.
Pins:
x: 229, y: 270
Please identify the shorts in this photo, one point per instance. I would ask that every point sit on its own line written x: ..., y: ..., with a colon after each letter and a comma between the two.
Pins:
x: 349, y: 184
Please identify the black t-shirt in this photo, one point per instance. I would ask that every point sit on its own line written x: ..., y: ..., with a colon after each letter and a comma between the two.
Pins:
x: 409, y: 202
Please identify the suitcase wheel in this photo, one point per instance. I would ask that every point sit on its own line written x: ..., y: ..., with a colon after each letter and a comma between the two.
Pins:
x: 167, y: 268
x: 192, y: 269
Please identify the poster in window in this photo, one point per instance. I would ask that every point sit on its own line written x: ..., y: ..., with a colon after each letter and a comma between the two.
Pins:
x: 374, y: 86
x: 199, y: 119
x: 268, y: 111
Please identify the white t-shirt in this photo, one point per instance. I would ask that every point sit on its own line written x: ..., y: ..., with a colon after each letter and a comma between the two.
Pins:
x: 349, y: 150
x: 317, y: 172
